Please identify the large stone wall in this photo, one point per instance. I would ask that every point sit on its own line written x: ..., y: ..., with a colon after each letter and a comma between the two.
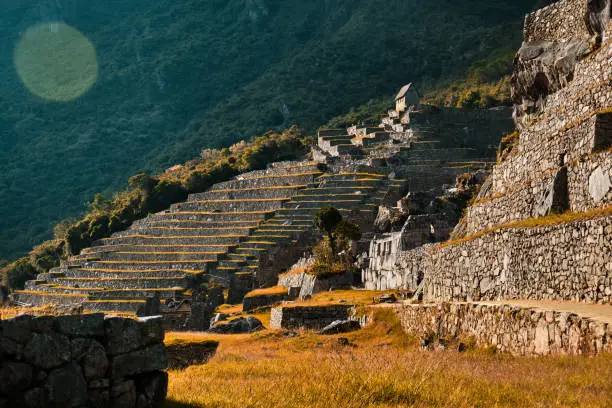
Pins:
x: 308, y: 317
x: 569, y: 261
x: 404, y: 271
x: 512, y: 329
x: 82, y: 361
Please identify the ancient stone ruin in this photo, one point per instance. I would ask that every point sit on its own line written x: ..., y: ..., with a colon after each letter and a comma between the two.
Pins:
x: 541, y: 225
x: 242, y: 234
x: 447, y: 214
x: 82, y: 361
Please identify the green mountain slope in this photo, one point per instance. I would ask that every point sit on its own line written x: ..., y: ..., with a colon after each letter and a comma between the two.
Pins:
x: 179, y: 76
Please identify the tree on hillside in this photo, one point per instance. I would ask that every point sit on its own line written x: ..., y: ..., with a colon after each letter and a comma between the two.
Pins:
x: 327, y: 219
x: 333, y: 254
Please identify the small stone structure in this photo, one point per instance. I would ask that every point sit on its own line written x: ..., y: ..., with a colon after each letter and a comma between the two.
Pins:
x: 305, y: 284
x: 512, y: 329
x: 82, y: 361
x: 309, y: 317
x: 407, y: 97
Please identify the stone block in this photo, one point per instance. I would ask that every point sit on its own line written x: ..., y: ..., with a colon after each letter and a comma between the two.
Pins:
x: 18, y: 328
x: 47, y: 350
x: 599, y: 184
x: 67, y: 387
x: 14, y: 377
x: 89, y: 325
x: 125, y: 335
x: 149, y: 359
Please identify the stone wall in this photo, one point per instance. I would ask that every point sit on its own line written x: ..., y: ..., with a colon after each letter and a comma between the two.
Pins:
x: 569, y: 22
x: 308, y: 284
x: 82, y: 361
x: 308, y: 317
x: 571, y: 132
x: 511, y: 329
x: 569, y: 261
x: 404, y: 272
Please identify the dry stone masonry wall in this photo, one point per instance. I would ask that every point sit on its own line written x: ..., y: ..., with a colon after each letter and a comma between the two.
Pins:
x: 511, y: 329
x: 82, y: 361
x: 308, y: 317
x: 563, y: 262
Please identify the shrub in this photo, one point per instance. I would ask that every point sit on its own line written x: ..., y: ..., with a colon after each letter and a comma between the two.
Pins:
x: 18, y: 273
x: 148, y: 194
x: 47, y: 255
x: 333, y: 255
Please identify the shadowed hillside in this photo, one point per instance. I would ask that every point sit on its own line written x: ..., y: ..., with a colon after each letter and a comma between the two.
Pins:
x: 175, y: 77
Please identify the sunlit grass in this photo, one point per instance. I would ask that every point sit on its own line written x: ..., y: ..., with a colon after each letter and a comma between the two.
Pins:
x: 382, y: 368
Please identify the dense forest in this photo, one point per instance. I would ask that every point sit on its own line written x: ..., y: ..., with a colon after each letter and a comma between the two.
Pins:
x: 176, y: 77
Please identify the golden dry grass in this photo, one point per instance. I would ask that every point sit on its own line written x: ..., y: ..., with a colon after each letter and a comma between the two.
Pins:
x: 351, y: 297
x: 383, y: 369
x: 554, y: 219
x: 265, y: 292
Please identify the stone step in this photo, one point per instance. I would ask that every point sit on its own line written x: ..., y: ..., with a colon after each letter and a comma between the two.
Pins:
x: 100, y: 293
x: 175, y: 240
x: 148, y: 222
x: 352, y: 176
x: 247, y: 193
x: 324, y: 132
x: 127, y: 305
x: 283, y: 171
x: 97, y: 250
x: 338, y: 190
x: 129, y: 273
x: 161, y: 256
x: 313, y: 195
x: 311, y: 212
x: 210, y: 216
x: 324, y: 202
x: 357, y: 183
x: 122, y: 283
x: 238, y: 205
x: 39, y: 298
x: 267, y: 181
x: 339, y: 141
x: 251, y: 250
x: 202, y: 265
x: 272, y: 229
x: 164, y: 293
x: 229, y: 231
x: 256, y: 244
x: 344, y: 136
x: 364, y: 131
x: 266, y: 237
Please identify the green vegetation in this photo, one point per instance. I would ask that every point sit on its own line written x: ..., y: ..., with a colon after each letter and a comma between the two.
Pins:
x: 333, y: 255
x: 176, y: 77
x: 486, y: 85
x: 148, y: 194
x: 16, y: 274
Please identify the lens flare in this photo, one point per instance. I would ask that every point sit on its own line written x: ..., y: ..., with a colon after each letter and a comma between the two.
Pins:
x: 56, y: 62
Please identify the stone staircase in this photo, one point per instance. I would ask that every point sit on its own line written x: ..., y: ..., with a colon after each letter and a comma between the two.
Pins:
x: 176, y: 250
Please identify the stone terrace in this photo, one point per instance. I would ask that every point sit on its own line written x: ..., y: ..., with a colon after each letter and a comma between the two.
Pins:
x: 176, y: 250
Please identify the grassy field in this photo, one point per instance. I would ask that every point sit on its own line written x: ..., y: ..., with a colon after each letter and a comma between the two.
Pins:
x: 381, y: 367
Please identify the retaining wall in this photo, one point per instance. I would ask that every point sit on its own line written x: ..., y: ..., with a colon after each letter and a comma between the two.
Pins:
x: 308, y: 317
x: 511, y: 329
x: 82, y: 361
x: 565, y: 261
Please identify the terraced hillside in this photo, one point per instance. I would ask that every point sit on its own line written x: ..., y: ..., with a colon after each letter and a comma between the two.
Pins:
x: 244, y: 232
